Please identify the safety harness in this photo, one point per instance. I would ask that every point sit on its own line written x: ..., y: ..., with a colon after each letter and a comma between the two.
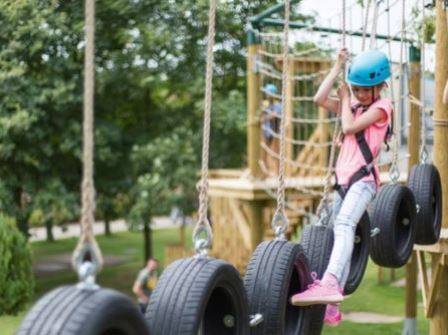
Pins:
x: 368, y: 168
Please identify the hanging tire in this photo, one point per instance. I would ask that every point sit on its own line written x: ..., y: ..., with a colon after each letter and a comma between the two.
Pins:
x: 317, y: 242
x: 199, y: 295
x: 360, y: 255
x: 394, y: 214
x: 277, y: 270
x: 424, y: 181
x: 69, y: 310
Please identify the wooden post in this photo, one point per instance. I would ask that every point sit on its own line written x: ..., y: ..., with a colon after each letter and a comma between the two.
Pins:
x: 325, y: 126
x: 410, y: 322
x: 256, y: 224
x: 439, y: 318
x: 253, y: 106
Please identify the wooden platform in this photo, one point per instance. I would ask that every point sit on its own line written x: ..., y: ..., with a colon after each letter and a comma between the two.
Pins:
x: 441, y: 247
x: 255, y: 189
x: 432, y: 291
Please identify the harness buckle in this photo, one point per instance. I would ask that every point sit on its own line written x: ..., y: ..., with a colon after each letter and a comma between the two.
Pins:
x: 368, y: 168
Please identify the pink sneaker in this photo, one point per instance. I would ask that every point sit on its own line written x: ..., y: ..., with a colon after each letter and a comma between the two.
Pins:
x: 319, y: 293
x: 333, y: 316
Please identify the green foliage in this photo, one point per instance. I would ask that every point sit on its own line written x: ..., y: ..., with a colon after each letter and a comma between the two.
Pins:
x: 424, y: 27
x: 16, y: 278
x: 149, y: 93
x: 167, y: 169
x: 54, y: 204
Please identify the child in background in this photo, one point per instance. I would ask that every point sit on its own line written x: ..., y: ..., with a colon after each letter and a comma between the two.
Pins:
x: 272, y: 111
x: 145, y: 283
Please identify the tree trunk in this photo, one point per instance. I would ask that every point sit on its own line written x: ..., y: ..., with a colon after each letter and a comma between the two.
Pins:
x: 49, y: 229
x: 148, y: 240
x: 21, y: 217
x: 22, y: 224
x: 107, y: 230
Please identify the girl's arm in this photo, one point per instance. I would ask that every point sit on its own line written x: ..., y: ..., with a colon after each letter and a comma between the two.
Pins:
x: 321, y: 98
x: 350, y: 125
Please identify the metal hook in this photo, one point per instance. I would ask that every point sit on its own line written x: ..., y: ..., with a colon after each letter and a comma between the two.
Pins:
x: 202, y: 238
x: 279, y: 224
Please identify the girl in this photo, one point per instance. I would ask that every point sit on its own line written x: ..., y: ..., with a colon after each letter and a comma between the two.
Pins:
x: 365, y: 124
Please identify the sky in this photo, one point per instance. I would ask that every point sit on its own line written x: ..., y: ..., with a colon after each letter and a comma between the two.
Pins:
x: 330, y: 15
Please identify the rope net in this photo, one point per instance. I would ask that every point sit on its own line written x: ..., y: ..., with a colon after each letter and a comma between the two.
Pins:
x: 309, y: 129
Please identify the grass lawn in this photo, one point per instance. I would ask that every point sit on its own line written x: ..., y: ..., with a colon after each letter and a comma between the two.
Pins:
x: 370, y: 297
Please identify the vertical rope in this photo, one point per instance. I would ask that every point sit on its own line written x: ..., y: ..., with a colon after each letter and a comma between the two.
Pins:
x: 374, y: 24
x: 389, y: 45
x: 344, y: 25
x: 87, y: 187
x: 394, y: 171
x: 364, y: 28
x: 203, y: 225
x: 336, y: 134
x: 285, y: 83
x: 423, y: 151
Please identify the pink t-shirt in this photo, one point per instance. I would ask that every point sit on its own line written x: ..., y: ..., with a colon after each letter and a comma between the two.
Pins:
x: 350, y: 158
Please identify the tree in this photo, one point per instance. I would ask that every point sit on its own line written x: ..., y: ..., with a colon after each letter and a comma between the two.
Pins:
x: 149, y: 81
x: 149, y: 190
x: 53, y: 205
x: 16, y: 279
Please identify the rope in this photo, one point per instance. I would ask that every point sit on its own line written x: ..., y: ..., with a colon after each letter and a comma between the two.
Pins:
x: 301, y: 120
x: 389, y: 45
x: 364, y: 27
x: 423, y: 150
x: 374, y: 24
x: 336, y: 134
x: 295, y: 54
x: 280, y: 221
x: 297, y: 142
x: 303, y: 189
x: 440, y: 122
x: 268, y: 71
x: 87, y: 248
x: 415, y: 101
x: 202, y: 244
x: 394, y: 172
x: 344, y: 24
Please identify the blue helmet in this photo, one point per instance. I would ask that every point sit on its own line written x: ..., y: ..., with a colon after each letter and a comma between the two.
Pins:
x: 369, y: 68
x: 270, y: 88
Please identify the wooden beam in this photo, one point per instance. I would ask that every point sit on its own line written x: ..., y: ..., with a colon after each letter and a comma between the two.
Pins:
x: 241, y: 223
x: 435, y: 281
x: 423, y: 277
x: 253, y: 106
x: 413, y: 150
x: 439, y: 319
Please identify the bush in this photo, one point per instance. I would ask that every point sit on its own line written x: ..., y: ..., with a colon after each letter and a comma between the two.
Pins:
x: 16, y: 277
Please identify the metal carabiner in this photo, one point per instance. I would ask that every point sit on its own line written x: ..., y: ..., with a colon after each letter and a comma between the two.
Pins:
x: 202, y: 237
x: 394, y: 173
x: 87, y: 265
x: 279, y: 224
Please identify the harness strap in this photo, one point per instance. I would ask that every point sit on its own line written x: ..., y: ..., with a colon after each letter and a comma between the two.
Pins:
x: 368, y: 157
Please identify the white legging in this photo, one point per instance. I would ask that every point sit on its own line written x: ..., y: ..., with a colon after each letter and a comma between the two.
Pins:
x: 347, y: 213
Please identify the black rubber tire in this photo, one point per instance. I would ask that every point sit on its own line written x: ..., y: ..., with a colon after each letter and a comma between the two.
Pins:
x: 424, y: 182
x: 277, y: 270
x: 360, y: 255
x: 394, y: 213
x: 68, y: 310
x: 317, y: 242
x: 198, y: 294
